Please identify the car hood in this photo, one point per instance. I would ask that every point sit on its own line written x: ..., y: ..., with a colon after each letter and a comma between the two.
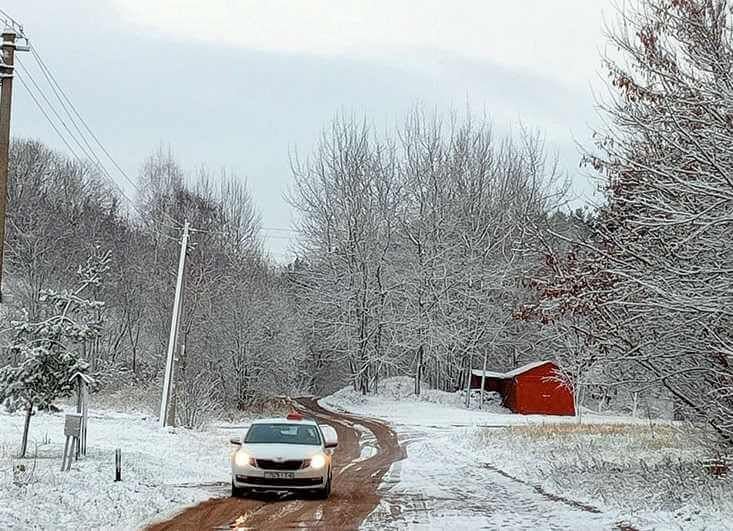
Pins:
x: 281, y: 451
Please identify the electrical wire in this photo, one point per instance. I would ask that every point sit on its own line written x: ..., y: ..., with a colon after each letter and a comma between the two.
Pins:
x: 101, y: 167
x: 79, y: 138
x: 70, y: 133
x: 48, y: 118
x: 12, y: 23
x: 87, y: 153
x: 54, y: 83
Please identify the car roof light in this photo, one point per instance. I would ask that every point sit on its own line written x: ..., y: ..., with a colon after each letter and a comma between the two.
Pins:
x: 294, y: 415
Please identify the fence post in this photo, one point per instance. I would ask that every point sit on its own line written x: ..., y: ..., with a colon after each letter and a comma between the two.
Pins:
x: 118, y: 465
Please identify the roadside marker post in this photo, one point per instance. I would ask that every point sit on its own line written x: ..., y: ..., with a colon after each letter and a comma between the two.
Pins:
x: 118, y: 465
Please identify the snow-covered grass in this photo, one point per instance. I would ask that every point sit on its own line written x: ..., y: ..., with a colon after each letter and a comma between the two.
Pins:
x: 646, y: 473
x: 163, y: 470
x: 655, y: 474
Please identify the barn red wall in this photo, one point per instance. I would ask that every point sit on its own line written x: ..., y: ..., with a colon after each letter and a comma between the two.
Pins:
x: 536, y: 396
x: 528, y: 394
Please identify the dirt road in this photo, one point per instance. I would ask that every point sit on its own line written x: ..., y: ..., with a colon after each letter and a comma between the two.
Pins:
x: 354, y: 495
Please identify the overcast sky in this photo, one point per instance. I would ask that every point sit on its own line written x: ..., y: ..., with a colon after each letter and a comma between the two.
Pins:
x: 239, y: 83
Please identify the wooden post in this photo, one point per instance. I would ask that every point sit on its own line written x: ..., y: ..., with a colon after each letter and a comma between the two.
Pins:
x: 84, y: 418
x: 66, y: 453
x: 8, y: 53
x: 118, y: 465
x: 82, y: 395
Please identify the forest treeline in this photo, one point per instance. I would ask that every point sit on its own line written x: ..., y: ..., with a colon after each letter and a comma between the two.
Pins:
x: 438, y: 246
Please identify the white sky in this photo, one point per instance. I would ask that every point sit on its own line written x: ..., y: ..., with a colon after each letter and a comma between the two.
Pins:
x: 237, y: 84
x: 557, y: 39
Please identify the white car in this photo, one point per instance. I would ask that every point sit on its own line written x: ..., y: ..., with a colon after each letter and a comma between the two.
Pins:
x: 291, y: 454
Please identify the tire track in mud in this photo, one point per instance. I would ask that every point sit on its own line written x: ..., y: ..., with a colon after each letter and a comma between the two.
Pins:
x: 355, y: 486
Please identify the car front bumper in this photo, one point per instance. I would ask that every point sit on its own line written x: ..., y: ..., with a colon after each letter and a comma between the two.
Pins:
x: 257, y: 478
x: 260, y: 482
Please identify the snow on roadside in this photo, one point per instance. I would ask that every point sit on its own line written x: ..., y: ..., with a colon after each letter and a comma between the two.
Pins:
x: 162, y: 471
x: 632, y: 471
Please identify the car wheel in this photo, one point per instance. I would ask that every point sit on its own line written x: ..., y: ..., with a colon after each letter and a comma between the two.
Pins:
x: 237, y: 492
x: 325, y: 492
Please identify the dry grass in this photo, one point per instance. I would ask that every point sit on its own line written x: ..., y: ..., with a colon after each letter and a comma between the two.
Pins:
x: 537, y: 431
x: 646, y: 437
x: 655, y: 434
x: 628, y: 467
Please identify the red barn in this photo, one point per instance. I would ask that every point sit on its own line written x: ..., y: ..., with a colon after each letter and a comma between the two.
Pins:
x: 528, y: 390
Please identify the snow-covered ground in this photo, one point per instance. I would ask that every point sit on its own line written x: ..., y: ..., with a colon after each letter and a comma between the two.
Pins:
x: 163, y: 470
x: 396, y: 403
x: 471, y: 469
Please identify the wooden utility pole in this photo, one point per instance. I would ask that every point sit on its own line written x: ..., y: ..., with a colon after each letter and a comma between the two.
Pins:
x: 7, y: 66
x: 6, y: 94
x: 175, y: 326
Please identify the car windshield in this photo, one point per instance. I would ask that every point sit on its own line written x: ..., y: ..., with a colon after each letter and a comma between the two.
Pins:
x: 283, y: 434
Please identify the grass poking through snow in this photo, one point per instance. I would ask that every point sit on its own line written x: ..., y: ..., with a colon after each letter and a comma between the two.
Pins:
x: 634, y: 469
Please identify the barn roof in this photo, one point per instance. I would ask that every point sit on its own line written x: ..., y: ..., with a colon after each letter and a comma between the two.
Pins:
x: 513, y: 372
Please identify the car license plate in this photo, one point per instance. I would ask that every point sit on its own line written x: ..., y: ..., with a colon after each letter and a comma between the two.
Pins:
x: 279, y: 475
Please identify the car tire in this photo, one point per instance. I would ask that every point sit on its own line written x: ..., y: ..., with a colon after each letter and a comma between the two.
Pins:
x: 325, y: 492
x: 238, y: 492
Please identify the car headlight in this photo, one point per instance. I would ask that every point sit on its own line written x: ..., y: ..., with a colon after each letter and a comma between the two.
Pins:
x: 318, y: 461
x: 242, y: 459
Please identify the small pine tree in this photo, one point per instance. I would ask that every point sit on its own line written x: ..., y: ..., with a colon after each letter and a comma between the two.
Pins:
x: 48, y: 346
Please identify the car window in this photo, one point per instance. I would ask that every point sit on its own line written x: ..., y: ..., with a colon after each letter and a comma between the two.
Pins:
x: 283, y: 434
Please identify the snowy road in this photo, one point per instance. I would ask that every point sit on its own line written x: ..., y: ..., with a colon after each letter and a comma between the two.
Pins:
x: 438, y: 486
x: 367, y: 448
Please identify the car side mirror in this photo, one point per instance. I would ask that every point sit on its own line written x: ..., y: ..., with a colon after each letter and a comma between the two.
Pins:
x: 330, y: 436
x: 236, y: 441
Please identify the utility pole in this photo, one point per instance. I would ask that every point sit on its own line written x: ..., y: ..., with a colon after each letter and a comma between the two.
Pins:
x: 175, y: 326
x: 6, y: 95
x: 178, y: 353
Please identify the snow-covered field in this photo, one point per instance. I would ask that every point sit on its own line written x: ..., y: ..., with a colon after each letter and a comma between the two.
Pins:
x: 465, y: 469
x: 396, y: 403
x: 163, y: 470
x: 470, y: 469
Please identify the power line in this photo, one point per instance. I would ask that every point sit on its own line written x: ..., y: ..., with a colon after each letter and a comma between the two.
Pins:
x: 63, y: 137
x: 12, y: 23
x: 71, y: 118
x: 85, y: 146
x: 48, y: 118
x: 84, y: 150
x: 101, y: 167
x: 54, y: 82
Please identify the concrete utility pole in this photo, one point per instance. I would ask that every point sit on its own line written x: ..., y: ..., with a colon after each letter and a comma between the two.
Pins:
x: 175, y: 326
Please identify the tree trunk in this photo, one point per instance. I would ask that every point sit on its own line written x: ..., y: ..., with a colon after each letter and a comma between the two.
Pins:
x: 469, y: 368
x: 24, y: 444
x: 418, y: 370
x: 635, y: 401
